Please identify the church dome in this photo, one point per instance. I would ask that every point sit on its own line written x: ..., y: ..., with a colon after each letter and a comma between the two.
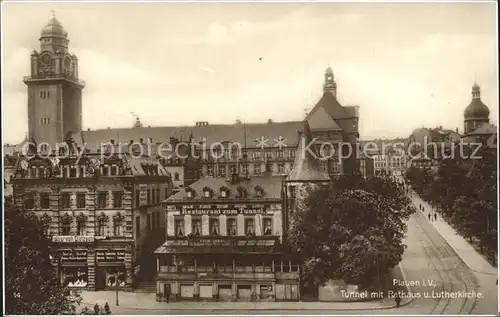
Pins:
x: 476, y: 109
x: 54, y: 29
x: 329, y: 71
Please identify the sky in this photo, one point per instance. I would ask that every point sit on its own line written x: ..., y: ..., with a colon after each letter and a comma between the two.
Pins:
x: 405, y: 65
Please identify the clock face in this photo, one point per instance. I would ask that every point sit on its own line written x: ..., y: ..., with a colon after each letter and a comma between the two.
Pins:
x: 46, y: 59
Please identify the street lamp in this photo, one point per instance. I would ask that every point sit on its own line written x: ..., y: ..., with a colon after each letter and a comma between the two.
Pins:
x: 116, y: 282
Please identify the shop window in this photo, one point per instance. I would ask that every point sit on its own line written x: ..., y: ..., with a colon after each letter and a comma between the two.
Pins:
x: 117, y: 199
x: 115, y: 277
x: 179, y: 228
x: 249, y: 227
x: 81, y: 223
x: 268, y: 227
x: 118, y: 220
x: 102, y: 222
x: 74, y: 276
x: 29, y: 201
x: 102, y: 200
x: 45, y: 200
x: 80, y: 200
x: 231, y: 227
x: 197, y: 227
x: 214, y: 227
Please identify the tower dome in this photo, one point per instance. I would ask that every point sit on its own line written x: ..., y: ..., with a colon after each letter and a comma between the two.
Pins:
x: 476, y: 109
x: 54, y: 29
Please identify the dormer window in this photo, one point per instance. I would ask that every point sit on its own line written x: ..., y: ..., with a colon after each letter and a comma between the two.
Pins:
x: 207, y: 192
x: 224, y: 191
x: 189, y: 192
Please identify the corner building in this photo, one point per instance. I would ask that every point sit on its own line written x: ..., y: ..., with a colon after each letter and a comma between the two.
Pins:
x: 224, y: 243
x: 98, y: 213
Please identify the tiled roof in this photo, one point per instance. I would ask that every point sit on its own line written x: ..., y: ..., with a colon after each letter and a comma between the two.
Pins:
x: 343, y: 116
x: 306, y: 167
x: 137, y: 166
x: 211, y: 133
x: 323, y: 121
x: 271, y: 185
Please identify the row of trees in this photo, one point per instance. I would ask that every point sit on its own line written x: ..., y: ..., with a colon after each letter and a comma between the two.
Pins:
x: 351, y: 229
x: 464, y: 190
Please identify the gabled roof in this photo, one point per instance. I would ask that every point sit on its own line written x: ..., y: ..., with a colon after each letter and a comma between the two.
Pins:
x: 321, y: 120
x: 306, y: 167
x: 344, y: 117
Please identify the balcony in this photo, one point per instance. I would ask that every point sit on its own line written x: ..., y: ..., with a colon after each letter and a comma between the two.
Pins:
x: 70, y: 78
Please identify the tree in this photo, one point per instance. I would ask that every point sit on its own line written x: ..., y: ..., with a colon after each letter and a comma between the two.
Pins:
x: 349, y: 229
x: 32, y: 286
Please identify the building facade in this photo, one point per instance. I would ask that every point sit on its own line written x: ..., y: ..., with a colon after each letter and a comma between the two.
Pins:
x: 224, y: 242
x: 96, y: 210
x: 224, y: 149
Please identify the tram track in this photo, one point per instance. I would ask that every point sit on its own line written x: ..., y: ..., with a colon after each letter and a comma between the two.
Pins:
x: 453, y: 272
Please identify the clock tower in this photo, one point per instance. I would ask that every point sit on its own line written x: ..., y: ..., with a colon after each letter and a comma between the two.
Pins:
x: 54, y: 91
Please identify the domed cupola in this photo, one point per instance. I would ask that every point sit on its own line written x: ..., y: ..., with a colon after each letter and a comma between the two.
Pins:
x: 54, y: 29
x: 476, y: 113
x: 476, y: 109
x: 54, y: 36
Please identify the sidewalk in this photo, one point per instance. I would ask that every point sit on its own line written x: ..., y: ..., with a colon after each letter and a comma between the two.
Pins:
x: 464, y: 250
x: 144, y: 301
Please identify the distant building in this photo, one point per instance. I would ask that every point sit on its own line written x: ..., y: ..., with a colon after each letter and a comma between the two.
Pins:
x: 102, y: 213
x: 389, y: 156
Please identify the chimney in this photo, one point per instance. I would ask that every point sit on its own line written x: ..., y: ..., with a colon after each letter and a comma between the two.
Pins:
x: 141, y: 140
x: 440, y: 127
x: 112, y: 141
x: 269, y: 121
x: 130, y: 142
x: 456, y: 130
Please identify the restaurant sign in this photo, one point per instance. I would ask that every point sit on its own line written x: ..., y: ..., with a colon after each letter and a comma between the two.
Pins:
x: 73, y: 239
x: 116, y: 255
x: 73, y: 256
x: 222, y: 211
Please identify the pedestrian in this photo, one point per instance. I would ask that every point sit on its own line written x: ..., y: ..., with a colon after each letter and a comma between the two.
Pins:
x: 435, y: 216
x: 397, y: 299
x: 107, y: 310
x: 96, y: 309
x: 429, y: 216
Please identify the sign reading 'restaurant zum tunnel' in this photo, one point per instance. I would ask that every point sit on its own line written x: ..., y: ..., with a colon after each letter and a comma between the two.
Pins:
x: 223, y: 211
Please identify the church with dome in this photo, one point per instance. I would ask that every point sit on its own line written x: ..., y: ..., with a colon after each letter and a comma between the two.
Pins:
x: 477, y: 127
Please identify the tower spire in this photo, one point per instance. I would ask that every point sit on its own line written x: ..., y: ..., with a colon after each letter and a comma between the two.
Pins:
x: 330, y: 85
x: 53, y: 13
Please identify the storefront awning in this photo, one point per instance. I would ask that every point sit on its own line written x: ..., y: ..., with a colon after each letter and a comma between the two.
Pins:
x: 219, y: 246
